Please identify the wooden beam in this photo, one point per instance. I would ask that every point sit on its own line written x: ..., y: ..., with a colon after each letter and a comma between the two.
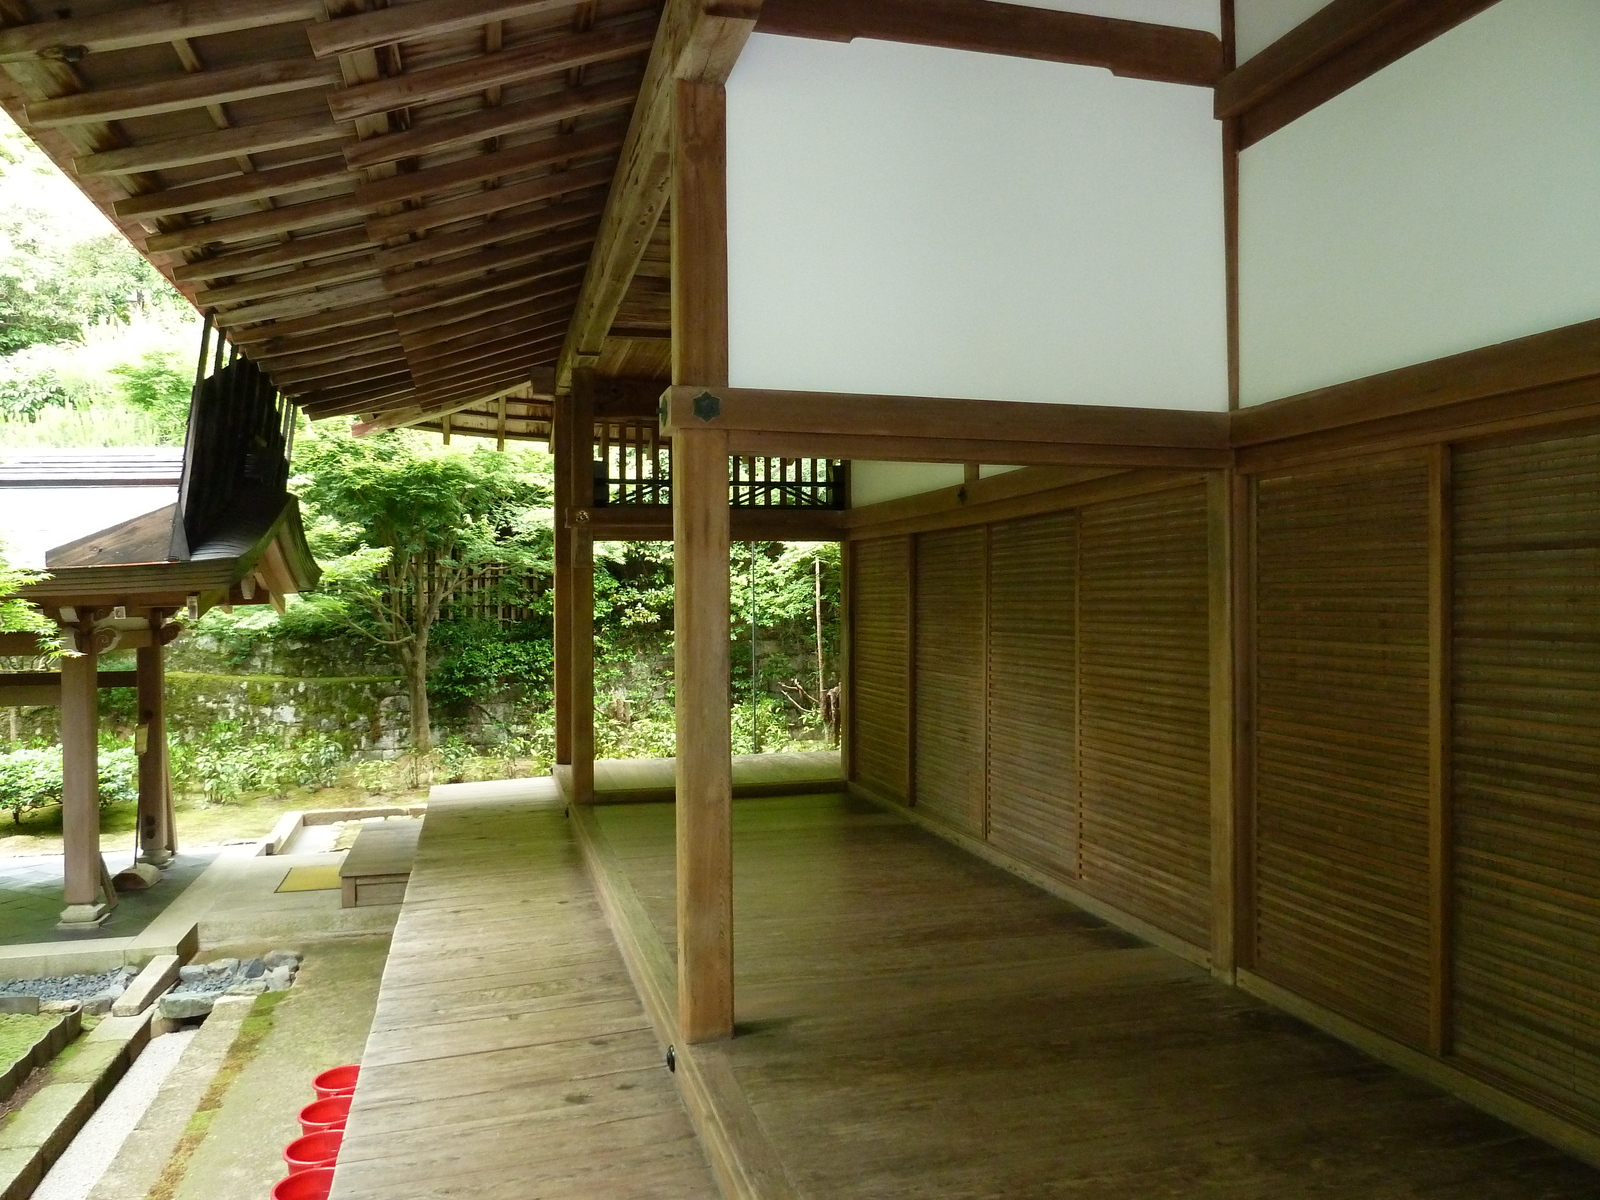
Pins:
x: 44, y: 687
x: 151, y: 25
x: 370, y: 292
x: 424, y: 19
x: 485, y: 233
x: 543, y: 58
x: 1132, y: 48
x: 748, y: 409
x: 291, y: 362
x: 285, y: 284
x: 960, y: 450
x: 516, y: 346
x: 458, y: 320
x: 494, y: 200
x: 691, y: 43
x: 536, y: 278
x: 1228, y: 842
x: 195, y: 90
x: 1330, y: 52
x: 653, y: 523
x: 372, y: 363
x: 193, y: 148
x: 329, y: 329
x: 303, y: 216
x: 700, y: 571
x: 563, y: 148
x: 233, y: 189
x: 562, y: 438
x: 429, y: 137
x: 1559, y: 356
x: 291, y: 253
x: 499, y: 258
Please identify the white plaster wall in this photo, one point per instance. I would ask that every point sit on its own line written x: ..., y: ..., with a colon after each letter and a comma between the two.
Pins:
x: 918, y: 221
x: 1451, y: 201
x: 1259, y: 23
x: 875, y: 482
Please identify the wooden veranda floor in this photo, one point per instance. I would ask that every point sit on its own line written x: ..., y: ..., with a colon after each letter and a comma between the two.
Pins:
x: 509, y: 1057
x: 915, y: 1022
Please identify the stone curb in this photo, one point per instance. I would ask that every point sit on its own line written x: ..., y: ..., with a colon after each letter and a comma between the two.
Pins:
x: 158, y: 975
x: 45, y: 1049
x: 33, y: 1137
x: 149, y: 1148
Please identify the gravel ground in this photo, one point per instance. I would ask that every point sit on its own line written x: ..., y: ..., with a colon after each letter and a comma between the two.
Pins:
x: 79, y: 1169
x: 95, y: 991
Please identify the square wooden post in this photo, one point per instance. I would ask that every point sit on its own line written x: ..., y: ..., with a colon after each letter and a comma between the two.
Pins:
x: 1229, y: 538
x: 561, y: 633
x: 87, y: 899
x: 700, y: 570
x: 155, y: 838
x: 580, y: 656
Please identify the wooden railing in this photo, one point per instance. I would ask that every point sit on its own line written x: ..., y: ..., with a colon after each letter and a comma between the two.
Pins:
x: 633, y: 466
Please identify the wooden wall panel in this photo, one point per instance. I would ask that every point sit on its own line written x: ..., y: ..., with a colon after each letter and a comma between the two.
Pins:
x: 949, y: 739
x: 1341, y: 863
x: 880, y: 654
x: 1527, y: 767
x: 1033, y: 804
x: 1144, y: 726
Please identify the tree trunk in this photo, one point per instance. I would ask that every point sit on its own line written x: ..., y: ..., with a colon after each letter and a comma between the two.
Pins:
x: 416, y: 664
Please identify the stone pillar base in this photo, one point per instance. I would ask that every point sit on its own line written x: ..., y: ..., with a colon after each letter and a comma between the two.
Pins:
x: 83, y: 916
x: 156, y: 858
x: 136, y: 878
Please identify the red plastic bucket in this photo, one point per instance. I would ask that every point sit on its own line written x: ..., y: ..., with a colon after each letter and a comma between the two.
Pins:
x: 313, y: 1150
x: 314, y: 1184
x: 336, y: 1081
x: 322, y: 1115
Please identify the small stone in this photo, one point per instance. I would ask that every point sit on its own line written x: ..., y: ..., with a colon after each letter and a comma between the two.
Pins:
x: 26, y: 1005
x: 279, y: 979
x: 188, y: 974
x: 247, y: 987
x: 224, y: 966
x: 99, y: 1006
x: 255, y: 968
x: 278, y: 958
x: 178, y: 1006
x: 60, y: 1006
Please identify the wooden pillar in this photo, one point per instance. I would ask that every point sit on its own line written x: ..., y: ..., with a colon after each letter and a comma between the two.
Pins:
x: 700, y: 570
x: 561, y: 633
x: 1229, y: 539
x: 581, y: 553
x: 154, y: 801
x: 88, y: 900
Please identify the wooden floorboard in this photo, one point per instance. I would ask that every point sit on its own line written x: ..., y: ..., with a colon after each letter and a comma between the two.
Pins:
x: 914, y: 1022
x: 509, y: 1056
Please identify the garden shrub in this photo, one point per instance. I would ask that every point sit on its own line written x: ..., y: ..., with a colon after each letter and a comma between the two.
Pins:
x: 30, y: 778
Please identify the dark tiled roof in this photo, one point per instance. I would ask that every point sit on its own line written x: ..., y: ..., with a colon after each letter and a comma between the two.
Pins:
x: 154, y: 467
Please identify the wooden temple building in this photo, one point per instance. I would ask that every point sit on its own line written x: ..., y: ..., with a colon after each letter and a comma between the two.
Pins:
x: 1206, y: 394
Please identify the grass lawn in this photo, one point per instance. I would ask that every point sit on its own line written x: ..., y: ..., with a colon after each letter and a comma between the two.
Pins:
x: 199, y: 823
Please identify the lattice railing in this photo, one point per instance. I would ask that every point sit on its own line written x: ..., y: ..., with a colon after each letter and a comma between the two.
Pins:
x: 633, y: 465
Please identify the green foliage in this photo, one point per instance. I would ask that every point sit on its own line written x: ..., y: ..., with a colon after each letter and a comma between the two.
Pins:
x: 159, y: 386
x: 16, y: 615
x: 63, y: 267
x: 317, y: 761
x: 26, y: 390
x: 30, y: 778
x: 476, y: 658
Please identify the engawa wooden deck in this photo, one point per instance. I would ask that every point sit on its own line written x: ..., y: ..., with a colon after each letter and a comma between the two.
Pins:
x: 509, y: 1057
x: 641, y: 780
x: 914, y: 1022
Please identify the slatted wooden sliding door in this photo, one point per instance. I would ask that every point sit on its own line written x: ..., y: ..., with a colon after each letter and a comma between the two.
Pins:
x: 1527, y: 767
x: 1143, y: 734
x: 1341, y: 756
x: 1033, y: 804
x: 880, y: 665
x: 949, y: 749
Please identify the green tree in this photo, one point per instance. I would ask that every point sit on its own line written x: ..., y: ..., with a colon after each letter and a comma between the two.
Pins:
x: 399, y: 527
x: 18, y: 615
x: 159, y: 386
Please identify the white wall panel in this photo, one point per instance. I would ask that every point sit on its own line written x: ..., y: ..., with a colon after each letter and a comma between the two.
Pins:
x: 1451, y: 201
x: 875, y: 482
x: 1259, y: 23
x: 930, y: 222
